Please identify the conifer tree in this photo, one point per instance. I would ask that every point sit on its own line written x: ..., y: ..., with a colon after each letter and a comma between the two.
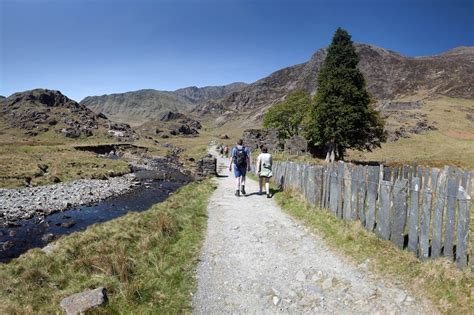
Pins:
x: 341, y: 116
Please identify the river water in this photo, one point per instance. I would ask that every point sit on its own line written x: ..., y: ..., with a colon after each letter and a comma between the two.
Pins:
x: 38, y: 232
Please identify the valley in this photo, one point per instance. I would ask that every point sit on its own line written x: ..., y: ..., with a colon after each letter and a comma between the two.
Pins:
x: 67, y: 168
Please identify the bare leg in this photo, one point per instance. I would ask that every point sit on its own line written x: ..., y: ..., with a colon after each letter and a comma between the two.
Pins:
x: 242, y: 181
x: 237, y: 181
x: 267, y: 185
x: 260, y: 183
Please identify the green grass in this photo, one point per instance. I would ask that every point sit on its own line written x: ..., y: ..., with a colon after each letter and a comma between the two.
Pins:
x: 145, y: 260
x: 450, y: 290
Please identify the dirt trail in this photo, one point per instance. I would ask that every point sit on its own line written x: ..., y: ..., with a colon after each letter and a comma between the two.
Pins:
x: 256, y: 259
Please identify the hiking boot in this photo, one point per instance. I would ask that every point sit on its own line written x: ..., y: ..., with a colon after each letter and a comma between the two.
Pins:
x: 243, y: 190
x: 237, y: 193
x: 269, y: 195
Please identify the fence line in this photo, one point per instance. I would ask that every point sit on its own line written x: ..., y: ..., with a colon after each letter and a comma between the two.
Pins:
x: 425, y: 210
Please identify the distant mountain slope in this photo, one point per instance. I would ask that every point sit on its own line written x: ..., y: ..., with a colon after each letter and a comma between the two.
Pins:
x: 389, y: 75
x: 196, y: 95
x: 139, y: 106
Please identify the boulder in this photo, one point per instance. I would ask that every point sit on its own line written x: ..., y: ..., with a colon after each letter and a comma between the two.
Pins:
x: 169, y: 116
x: 84, y: 301
x: 70, y: 133
x: 187, y: 130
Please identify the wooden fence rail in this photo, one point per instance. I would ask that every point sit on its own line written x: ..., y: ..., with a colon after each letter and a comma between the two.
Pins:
x: 425, y: 210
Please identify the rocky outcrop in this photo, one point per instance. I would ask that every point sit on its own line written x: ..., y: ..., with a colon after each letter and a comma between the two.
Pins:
x: 40, y: 110
x: 256, y: 138
x: 181, y: 119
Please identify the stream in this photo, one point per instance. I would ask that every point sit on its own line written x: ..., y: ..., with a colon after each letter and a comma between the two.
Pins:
x: 39, y: 231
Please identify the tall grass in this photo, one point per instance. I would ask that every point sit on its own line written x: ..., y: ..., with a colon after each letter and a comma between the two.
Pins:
x: 145, y: 260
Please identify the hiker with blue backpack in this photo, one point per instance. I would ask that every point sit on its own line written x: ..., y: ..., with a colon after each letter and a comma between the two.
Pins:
x: 241, y: 159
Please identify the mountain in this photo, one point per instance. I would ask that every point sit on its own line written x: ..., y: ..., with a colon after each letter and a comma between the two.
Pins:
x: 389, y: 76
x: 196, y: 95
x: 39, y: 111
x: 139, y: 106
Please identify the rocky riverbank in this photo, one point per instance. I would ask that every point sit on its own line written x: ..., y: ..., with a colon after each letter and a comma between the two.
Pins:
x: 24, y: 203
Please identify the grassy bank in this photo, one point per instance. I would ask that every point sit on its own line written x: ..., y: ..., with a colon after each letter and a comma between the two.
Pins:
x: 19, y: 165
x: 145, y: 260
x: 438, y: 280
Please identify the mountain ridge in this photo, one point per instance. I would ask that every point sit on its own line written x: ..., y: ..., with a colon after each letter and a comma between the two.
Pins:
x: 145, y: 104
x: 389, y: 75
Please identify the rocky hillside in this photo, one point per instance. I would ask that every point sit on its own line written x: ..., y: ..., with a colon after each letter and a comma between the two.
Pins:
x: 39, y: 111
x: 170, y: 124
x: 197, y: 95
x: 389, y: 76
x: 139, y: 106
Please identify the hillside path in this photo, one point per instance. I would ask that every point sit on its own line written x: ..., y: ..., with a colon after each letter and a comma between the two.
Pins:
x: 258, y: 260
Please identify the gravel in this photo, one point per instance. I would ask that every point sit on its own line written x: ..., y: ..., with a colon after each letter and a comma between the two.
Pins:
x: 24, y: 203
x: 271, y: 264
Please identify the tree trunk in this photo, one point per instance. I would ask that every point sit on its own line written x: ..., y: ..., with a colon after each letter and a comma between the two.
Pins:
x: 331, y: 154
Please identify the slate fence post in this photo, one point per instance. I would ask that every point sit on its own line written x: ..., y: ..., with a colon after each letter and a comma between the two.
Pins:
x: 429, y: 206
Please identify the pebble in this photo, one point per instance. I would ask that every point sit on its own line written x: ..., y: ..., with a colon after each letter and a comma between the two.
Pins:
x: 327, y: 284
x: 300, y: 276
x: 400, y: 297
x: 276, y: 300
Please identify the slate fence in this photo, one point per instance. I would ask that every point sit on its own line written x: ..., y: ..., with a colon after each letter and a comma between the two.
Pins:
x: 424, y: 210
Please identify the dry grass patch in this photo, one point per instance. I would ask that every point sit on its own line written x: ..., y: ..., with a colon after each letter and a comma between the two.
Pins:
x: 451, y: 144
x: 19, y: 165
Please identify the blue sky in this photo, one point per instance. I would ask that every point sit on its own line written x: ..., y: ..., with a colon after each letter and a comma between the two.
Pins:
x: 95, y: 47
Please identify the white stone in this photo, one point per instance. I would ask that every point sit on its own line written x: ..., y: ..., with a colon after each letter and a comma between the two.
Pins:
x: 300, y: 276
x: 276, y: 300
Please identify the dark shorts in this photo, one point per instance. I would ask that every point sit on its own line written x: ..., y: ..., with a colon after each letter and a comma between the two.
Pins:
x: 240, y: 171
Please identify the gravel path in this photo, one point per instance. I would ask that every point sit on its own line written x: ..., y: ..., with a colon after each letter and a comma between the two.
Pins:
x: 256, y: 259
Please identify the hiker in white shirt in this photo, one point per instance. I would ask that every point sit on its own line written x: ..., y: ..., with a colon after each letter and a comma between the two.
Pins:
x: 264, y: 170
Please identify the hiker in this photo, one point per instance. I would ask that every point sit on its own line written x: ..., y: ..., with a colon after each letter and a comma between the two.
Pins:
x: 241, y: 160
x: 221, y: 151
x: 226, y: 151
x: 264, y: 170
